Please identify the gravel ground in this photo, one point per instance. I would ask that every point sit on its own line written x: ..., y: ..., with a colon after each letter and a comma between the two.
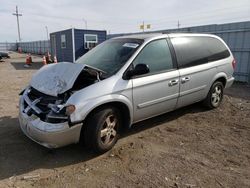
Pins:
x: 190, y: 147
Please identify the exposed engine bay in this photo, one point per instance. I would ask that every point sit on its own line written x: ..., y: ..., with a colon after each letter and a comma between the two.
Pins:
x: 50, y: 108
x: 87, y: 77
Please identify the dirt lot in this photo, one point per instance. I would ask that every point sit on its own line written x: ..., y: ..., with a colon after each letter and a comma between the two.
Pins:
x: 191, y: 147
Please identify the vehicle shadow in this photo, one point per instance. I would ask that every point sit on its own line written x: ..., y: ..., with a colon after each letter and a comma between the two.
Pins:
x: 164, y: 118
x: 19, y: 155
x: 20, y: 65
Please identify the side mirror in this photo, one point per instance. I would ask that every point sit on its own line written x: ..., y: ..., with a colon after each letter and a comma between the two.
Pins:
x: 138, y: 70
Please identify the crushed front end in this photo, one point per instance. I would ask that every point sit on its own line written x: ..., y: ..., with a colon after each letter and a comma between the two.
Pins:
x: 43, y: 119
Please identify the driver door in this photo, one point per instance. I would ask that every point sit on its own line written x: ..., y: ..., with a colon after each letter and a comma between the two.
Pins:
x: 157, y: 91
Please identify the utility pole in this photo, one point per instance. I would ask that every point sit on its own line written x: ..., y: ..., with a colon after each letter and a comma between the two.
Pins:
x: 86, y: 24
x: 46, y: 27
x: 17, y: 17
x: 178, y: 24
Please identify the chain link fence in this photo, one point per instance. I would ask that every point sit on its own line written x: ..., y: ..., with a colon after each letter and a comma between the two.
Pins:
x: 35, y: 47
x: 6, y: 46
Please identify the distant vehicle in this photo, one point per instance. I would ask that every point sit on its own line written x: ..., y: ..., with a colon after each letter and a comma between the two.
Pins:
x: 4, y: 54
x: 122, y: 81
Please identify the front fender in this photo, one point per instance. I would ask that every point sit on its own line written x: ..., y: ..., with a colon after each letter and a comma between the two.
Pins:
x: 84, y: 108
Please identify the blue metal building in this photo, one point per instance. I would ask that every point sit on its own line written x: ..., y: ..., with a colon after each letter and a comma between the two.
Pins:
x: 68, y: 45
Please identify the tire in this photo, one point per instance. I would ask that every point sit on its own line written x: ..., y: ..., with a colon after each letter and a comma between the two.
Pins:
x: 102, y: 129
x: 215, y: 95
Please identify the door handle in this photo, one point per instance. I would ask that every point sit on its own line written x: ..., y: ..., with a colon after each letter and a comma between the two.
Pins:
x: 173, y: 82
x: 185, y: 79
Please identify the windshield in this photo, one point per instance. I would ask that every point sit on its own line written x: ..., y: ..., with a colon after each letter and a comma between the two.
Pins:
x: 111, y: 55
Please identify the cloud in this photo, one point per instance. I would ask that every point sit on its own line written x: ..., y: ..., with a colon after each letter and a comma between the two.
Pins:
x: 114, y: 16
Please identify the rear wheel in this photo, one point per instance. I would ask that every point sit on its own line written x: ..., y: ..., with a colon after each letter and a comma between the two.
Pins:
x: 215, y: 95
x: 102, y: 129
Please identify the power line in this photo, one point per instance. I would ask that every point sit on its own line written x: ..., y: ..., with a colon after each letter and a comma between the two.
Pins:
x: 154, y: 22
x: 201, y: 21
x: 158, y: 23
x: 203, y: 12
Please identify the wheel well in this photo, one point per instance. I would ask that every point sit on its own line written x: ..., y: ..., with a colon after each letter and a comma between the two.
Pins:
x: 123, y: 108
x: 222, y: 80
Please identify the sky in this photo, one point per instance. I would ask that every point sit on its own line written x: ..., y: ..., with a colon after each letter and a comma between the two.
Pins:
x: 113, y: 15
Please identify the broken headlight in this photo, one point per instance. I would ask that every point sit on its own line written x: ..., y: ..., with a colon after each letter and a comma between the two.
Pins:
x: 57, y: 113
x: 70, y: 109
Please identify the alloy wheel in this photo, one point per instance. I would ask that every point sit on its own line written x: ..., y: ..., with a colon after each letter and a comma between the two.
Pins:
x: 109, y: 130
x: 216, y: 95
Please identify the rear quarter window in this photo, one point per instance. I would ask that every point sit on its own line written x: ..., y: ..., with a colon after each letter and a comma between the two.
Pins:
x: 192, y: 51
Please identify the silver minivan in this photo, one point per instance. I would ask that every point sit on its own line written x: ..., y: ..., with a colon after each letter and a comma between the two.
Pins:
x: 122, y: 81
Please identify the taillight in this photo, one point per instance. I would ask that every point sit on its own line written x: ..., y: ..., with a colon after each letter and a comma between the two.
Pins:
x: 234, y: 63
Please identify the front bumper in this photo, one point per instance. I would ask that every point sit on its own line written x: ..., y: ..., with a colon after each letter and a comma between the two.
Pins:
x: 50, y: 135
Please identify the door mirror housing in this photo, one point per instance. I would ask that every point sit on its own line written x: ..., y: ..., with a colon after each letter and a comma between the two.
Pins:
x: 138, y: 70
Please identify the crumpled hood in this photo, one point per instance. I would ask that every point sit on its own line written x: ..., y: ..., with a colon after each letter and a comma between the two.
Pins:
x: 56, y: 78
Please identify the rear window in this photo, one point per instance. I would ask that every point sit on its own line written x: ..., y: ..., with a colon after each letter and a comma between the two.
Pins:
x: 192, y: 51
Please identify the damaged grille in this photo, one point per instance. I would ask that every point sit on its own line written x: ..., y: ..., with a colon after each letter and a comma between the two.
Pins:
x: 39, y: 104
x: 44, y: 99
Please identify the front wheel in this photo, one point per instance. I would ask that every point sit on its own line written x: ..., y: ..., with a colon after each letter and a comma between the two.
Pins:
x: 102, y: 129
x: 215, y: 95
